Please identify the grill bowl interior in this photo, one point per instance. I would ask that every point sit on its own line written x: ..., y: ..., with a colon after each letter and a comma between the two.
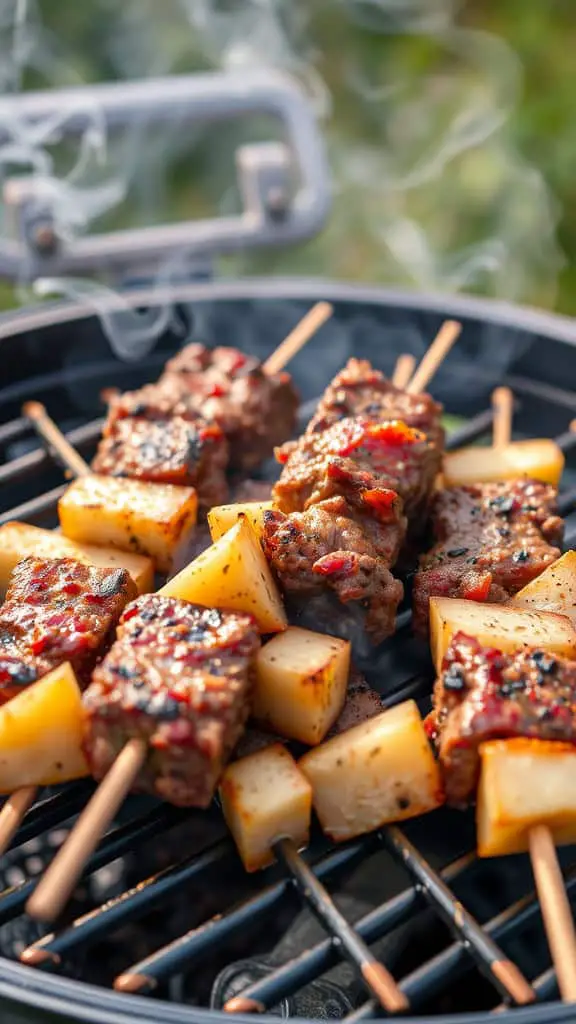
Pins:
x: 59, y: 355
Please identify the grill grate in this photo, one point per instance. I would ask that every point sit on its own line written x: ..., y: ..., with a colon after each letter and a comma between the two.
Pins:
x: 473, y: 939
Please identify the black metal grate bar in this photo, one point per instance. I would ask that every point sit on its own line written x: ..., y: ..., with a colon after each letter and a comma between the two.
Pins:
x: 35, y: 510
x: 449, y: 965
x: 144, y: 976
x: 38, y: 459
x: 492, y: 961
x: 117, y: 842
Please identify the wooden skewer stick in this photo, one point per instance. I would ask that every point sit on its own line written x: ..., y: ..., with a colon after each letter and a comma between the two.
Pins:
x: 435, y: 355
x: 56, y: 885
x: 297, y: 338
x: 503, y: 406
x: 74, y: 464
x: 554, y: 903
x: 405, y: 366
x: 13, y: 812
x: 556, y: 910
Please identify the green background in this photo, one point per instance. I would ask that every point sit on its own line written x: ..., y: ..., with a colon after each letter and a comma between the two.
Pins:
x: 450, y: 129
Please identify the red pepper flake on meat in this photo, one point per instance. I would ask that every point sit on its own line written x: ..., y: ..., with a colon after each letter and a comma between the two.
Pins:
x: 498, y: 695
x: 58, y: 610
x: 189, y: 710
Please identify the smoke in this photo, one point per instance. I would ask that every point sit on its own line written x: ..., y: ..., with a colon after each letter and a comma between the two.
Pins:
x: 429, y: 189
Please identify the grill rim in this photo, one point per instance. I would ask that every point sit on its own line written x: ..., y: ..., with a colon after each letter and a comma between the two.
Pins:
x: 490, y: 311
x: 75, y: 1001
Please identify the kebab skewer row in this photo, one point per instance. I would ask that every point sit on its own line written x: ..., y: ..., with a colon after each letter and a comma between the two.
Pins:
x: 362, y: 471
x: 153, y: 506
x: 150, y: 638
x: 521, y: 672
x: 211, y: 410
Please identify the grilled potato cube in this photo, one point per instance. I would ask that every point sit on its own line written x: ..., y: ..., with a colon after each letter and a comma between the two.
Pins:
x: 222, y: 517
x: 233, y: 573
x: 553, y: 591
x: 498, y: 625
x: 132, y: 515
x: 380, y: 771
x: 20, y: 540
x: 523, y: 783
x: 540, y: 459
x: 265, y: 797
x: 41, y: 733
x: 301, y: 682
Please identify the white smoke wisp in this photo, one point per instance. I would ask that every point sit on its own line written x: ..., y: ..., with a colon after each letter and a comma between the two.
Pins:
x: 417, y: 108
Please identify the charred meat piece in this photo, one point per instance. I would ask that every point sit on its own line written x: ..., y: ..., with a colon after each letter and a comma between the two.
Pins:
x: 484, y: 694
x: 360, y: 390
x: 147, y: 436
x: 492, y: 539
x: 329, y: 547
x: 255, y: 410
x: 362, y: 461
x: 58, y: 610
x: 178, y: 676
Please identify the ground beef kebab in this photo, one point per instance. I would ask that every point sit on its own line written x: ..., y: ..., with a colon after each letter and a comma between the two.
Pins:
x: 362, y: 472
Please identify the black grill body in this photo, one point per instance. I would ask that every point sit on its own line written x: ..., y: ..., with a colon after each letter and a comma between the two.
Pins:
x: 189, y: 928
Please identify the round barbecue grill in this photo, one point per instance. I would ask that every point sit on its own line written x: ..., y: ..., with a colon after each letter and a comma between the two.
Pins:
x: 164, y: 901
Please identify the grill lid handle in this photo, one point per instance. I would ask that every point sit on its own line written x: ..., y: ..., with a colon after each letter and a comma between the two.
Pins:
x: 284, y: 186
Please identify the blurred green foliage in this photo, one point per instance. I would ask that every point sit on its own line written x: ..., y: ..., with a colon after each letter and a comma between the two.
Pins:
x: 452, y: 162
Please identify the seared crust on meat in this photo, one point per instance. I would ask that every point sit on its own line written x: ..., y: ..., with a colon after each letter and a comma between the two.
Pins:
x: 483, y: 694
x: 176, y: 450
x: 357, y: 458
x: 326, y: 547
x: 178, y: 676
x: 492, y: 539
x: 58, y: 610
x: 360, y: 390
x: 256, y: 410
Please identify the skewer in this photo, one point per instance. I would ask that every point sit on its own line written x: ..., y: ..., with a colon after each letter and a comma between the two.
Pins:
x: 439, y: 349
x: 58, y: 444
x: 51, y: 894
x: 554, y: 903
x: 13, y: 812
x: 298, y: 337
x: 503, y: 406
x: 19, y: 802
x: 405, y: 366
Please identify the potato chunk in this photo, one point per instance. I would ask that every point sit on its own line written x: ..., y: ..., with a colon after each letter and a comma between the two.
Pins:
x: 523, y: 783
x: 222, y: 517
x: 553, y: 591
x: 20, y: 540
x: 380, y: 771
x: 301, y: 681
x: 233, y: 573
x: 498, y: 625
x: 151, y: 519
x: 540, y: 459
x: 41, y: 733
x: 265, y: 797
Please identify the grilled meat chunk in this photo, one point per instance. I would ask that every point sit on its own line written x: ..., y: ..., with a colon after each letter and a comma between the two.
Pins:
x: 143, y: 441
x: 330, y: 547
x: 365, y: 462
x: 255, y: 410
x: 484, y: 694
x: 178, y: 676
x: 492, y: 539
x: 58, y: 610
x: 360, y: 390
